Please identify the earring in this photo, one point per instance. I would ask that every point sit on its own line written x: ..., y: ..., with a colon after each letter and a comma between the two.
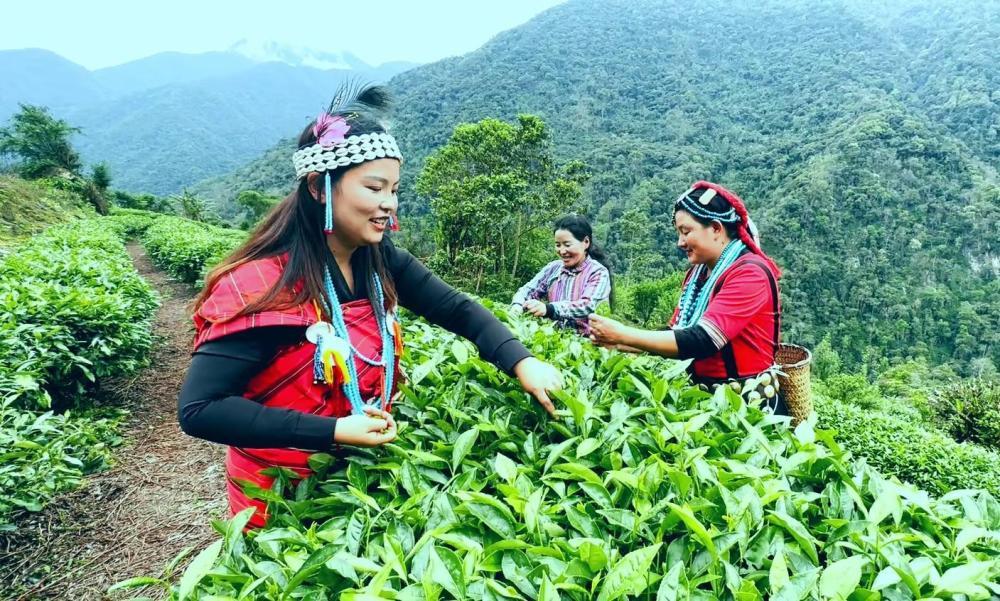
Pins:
x: 393, y: 223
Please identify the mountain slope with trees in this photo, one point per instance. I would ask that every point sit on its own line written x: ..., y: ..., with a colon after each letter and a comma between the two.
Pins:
x: 863, y: 140
x: 167, y: 121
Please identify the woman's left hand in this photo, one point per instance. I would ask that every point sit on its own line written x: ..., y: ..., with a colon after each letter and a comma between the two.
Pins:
x: 535, y: 307
x: 537, y: 378
x: 605, y: 331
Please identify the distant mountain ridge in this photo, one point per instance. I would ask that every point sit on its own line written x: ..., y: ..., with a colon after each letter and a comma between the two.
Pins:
x: 865, y: 140
x: 169, y: 120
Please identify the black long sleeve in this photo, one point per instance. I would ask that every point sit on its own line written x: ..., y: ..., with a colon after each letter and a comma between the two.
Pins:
x: 430, y: 297
x: 211, y: 405
x: 694, y: 343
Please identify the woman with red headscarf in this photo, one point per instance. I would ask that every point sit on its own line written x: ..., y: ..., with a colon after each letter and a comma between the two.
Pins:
x: 728, y: 319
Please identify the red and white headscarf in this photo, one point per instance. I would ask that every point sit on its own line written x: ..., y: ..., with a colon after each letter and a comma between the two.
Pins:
x: 745, y: 227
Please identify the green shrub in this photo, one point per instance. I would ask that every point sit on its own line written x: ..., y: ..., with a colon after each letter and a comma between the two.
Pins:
x: 28, y: 207
x: 906, y: 449
x: 970, y: 411
x: 852, y: 389
x: 915, y: 382
x: 42, y: 454
x: 647, y: 487
x: 123, y: 201
x: 651, y: 303
x: 129, y: 226
x: 184, y: 248
x: 73, y: 310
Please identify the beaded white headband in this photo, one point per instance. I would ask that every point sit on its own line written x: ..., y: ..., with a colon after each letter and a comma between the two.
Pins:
x: 353, y: 150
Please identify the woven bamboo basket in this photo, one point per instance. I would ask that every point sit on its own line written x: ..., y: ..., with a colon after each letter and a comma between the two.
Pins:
x: 794, y: 362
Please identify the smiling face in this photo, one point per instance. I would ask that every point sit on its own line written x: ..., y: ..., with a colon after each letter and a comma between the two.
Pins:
x: 570, y: 250
x: 703, y: 244
x: 363, y: 199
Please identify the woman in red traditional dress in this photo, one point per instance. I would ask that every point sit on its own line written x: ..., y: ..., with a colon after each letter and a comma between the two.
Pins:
x: 297, y: 342
x: 729, y: 315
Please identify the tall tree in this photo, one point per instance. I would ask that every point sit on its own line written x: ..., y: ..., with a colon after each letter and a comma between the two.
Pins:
x: 100, y: 174
x: 495, y: 190
x: 40, y: 142
x: 255, y: 205
x: 192, y: 207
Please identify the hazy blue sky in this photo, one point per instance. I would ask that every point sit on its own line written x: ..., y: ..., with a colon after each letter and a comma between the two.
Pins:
x: 103, y: 33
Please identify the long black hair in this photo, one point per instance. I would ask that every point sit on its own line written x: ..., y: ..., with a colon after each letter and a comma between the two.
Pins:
x: 581, y: 229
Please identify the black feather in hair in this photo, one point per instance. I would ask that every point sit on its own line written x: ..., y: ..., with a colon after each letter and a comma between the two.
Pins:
x: 354, y: 96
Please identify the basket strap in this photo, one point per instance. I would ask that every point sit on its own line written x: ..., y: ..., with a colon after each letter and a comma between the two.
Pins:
x: 774, y: 301
x: 729, y: 359
x: 728, y: 356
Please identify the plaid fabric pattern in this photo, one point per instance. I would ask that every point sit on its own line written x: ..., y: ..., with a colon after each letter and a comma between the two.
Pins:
x: 237, y: 289
x: 287, y: 382
x: 573, y: 293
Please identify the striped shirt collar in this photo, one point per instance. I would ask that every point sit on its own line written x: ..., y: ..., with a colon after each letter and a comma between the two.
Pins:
x: 578, y: 268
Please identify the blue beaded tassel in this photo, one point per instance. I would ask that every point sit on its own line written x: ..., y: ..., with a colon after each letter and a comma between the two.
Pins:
x: 692, y: 307
x: 328, y: 223
x: 350, y: 384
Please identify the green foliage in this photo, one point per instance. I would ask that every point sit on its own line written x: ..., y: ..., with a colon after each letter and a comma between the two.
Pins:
x: 651, y: 303
x: 255, y: 206
x: 131, y: 223
x: 40, y: 142
x: 648, y: 488
x: 495, y: 191
x: 913, y: 383
x: 853, y: 389
x: 100, y: 175
x: 903, y: 447
x: 191, y: 206
x: 970, y: 411
x: 44, y: 454
x: 73, y: 311
x: 28, y: 207
x: 185, y: 248
x: 826, y: 360
x: 144, y: 202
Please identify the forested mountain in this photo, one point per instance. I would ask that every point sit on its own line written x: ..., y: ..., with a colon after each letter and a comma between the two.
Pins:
x: 35, y: 76
x: 864, y: 140
x: 163, y: 139
x: 172, y: 119
x: 168, y: 68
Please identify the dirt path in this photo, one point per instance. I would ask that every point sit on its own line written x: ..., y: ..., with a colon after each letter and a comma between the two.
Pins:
x: 157, y: 500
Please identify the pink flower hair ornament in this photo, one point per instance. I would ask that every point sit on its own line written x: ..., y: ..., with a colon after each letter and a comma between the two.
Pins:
x: 330, y: 130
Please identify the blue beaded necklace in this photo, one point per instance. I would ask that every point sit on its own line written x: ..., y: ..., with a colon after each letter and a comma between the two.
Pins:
x: 694, y: 299
x: 333, y: 346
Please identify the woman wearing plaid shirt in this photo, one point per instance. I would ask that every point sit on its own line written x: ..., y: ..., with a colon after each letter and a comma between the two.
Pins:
x: 569, y: 289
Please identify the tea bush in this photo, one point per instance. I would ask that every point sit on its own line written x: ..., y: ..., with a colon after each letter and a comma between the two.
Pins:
x: 970, y: 411
x: 648, y: 488
x: 73, y: 311
x: 904, y: 447
x: 185, y: 248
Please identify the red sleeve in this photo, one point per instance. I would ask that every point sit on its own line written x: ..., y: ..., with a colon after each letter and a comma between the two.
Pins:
x: 744, y: 293
x: 237, y: 289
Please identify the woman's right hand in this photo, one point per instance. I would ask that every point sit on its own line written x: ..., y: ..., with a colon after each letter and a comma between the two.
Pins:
x: 535, y: 307
x: 371, y: 429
